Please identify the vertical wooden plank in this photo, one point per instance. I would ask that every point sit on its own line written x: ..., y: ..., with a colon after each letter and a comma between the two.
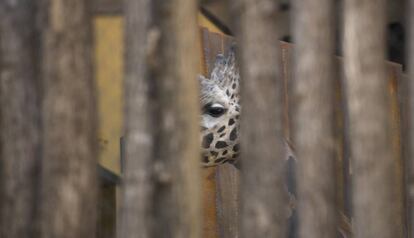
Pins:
x: 228, y: 184
x: 410, y: 120
x: 286, y: 55
x: 211, y: 47
x: 375, y: 190
x: 19, y: 118
x: 210, y: 222
x: 135, y: 218
x: 69, y: 144
x: 264, y: 199
x: 215, y: 48
x: 405, y: 104
x: 394, y: 72
x: 344, y: 189
x: 106, y: 219
x: 313, y: 117
x: 228, y: 187
x: 206, y: 51
x: 342, y: 165
x: 169, y: 63
x: 286, y: 62
x: 174, y: 64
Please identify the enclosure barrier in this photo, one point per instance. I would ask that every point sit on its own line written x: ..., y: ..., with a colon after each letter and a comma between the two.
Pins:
x: 348, y: 120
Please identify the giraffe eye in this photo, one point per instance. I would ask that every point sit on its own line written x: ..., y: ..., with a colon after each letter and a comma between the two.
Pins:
x: 214, y: 110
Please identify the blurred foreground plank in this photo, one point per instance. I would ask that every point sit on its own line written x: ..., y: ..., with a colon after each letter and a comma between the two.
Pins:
x: 69, y: 143
x: 162, y: 110
x: 19, y: 122
x: 375, y: 191
x: 314, y: 117
x: 263, y: 195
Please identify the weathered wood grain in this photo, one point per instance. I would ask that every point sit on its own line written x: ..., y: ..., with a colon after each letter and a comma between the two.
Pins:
x: 69, y: 144
x: 135, y: 217
x: 313, y: 117
x: 374, y: 178
x: 264, y: 199
x: 19, y: 119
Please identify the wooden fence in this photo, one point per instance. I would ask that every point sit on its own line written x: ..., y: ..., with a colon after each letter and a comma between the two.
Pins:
x: 348, y: 120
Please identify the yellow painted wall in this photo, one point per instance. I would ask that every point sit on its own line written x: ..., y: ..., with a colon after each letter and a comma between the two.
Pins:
x: 204, y: 22
x: 108, y: 34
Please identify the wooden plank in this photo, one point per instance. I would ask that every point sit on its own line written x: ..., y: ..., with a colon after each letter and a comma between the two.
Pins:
x: 19, y: 119
x: 208, y: 65
x: 394, y: 74
x: 375, y: 176
x: 264, y: 204
x: 216, y: 47
x: 163, y: 55
x: 286, y: 62
x: 210, y: 224
x: 228, y: 186
x: 313, y: 121
x: 405, y: 148
x: 213, y: 45
x: 342, y: 142
x: 410, y: 120
x: 137, y: 185
x: 173, y: 63
x: 69, y: 145
x: 228, y: 189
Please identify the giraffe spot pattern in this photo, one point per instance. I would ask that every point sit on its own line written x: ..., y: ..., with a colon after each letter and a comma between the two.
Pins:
x: 221, y: 144
x: 233, y: 134
x: 205, y: 159
x: 207, y: 139
x: 219, y: 160
x: 221, y: 129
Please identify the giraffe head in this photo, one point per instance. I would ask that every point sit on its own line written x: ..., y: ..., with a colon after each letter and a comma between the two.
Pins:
x: 220, y: 108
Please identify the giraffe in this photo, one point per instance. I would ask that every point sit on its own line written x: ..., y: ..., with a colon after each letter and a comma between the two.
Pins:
x: 220, y: 128
x: 219, y: 98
